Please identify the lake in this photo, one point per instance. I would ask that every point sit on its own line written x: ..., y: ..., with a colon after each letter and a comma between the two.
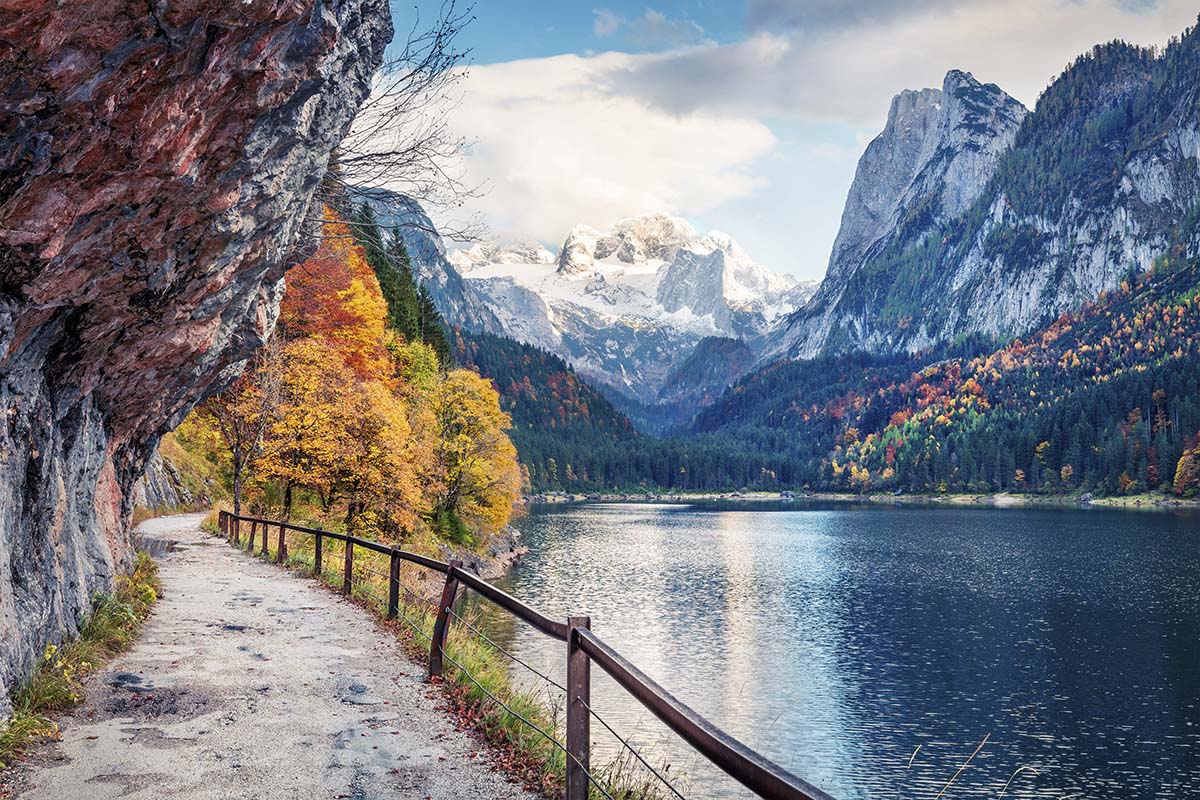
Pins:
x: 871, y: 650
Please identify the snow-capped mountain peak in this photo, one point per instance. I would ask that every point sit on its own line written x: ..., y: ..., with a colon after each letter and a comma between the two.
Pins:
x: 624, y: 303
x: 647, y: 267
x: 495, y: 252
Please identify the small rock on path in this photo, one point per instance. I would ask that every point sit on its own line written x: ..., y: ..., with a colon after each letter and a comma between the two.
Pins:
x: 250, y: 681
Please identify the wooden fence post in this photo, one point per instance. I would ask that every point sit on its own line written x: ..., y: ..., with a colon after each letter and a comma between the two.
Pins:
x: 237, y: 530
x: 438, y: 642
x: 393, y: 606
x: 317, y: 555
x: 265, y: 540
x: 253, y: 530
x: 348, y: 570
x: 579, y: 690
x: 281, y: 553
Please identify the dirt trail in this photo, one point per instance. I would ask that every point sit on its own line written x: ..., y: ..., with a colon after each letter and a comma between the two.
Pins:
x: 253, y: 682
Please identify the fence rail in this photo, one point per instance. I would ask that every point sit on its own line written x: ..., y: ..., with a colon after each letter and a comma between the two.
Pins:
x: 751, y: 769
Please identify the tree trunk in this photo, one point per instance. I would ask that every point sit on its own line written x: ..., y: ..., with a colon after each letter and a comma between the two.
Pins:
x: 287, y: 502
x: 237, y: 490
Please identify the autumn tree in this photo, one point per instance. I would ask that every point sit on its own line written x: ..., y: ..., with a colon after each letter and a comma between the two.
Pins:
x: 1187, y: 473
x: 303, y: 443
x: 373, y: 464
x: 476, y: 461
x: 244, y: 413
x: 335, y: 296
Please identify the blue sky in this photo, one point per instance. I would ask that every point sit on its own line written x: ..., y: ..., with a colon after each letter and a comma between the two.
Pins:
x: 747, y: 117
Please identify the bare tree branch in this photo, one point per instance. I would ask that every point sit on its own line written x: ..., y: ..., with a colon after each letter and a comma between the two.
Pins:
x: 402, y: 141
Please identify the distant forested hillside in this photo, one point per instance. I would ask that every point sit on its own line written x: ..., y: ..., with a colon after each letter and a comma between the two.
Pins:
x: 569, y: 437
x: 564, y: 429
x: 1104, y: 400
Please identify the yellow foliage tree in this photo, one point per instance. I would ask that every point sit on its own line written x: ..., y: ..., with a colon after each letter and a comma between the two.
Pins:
x: 374, y: 468
x: 476, y: 462
x: 302, y: 447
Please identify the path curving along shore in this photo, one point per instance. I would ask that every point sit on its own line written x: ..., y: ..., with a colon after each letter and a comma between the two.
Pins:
x: 250, y: 681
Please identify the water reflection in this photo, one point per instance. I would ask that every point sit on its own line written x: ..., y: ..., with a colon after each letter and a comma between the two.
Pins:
x: 838, y: 641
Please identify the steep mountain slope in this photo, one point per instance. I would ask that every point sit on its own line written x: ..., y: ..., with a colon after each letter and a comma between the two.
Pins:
x: 623, y: 306
x: 933, y: 159
x: 157, y: 162
x: 1098, y: 177
x: 560, y: 423
x: 457, y: 302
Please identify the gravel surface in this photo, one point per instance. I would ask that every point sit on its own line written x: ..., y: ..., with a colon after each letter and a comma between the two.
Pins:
x: 250, y: 681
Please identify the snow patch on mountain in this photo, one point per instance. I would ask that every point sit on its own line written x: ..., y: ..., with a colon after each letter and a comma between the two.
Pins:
x: 654, y: 269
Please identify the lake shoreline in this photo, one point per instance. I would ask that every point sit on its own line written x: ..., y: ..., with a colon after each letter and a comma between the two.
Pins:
x: 1140, y: 502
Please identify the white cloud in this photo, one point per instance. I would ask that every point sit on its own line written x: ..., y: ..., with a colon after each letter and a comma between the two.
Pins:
x: 848, y: 72
x: 570, y: 139
x: 558, y: 148
x: 605, y: 23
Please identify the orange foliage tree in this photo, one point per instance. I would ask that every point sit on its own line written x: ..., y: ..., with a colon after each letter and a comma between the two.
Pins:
x: 360, y: 422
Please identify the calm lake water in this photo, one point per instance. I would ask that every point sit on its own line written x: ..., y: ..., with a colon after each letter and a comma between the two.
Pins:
x: 839, y: 640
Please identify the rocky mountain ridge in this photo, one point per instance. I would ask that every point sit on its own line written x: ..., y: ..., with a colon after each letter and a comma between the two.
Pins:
x: 991, y: 221
x: 930, y: 163
x: 626, y: 304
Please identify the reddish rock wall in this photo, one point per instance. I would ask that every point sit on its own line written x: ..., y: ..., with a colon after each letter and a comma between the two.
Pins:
x: 157, y: 161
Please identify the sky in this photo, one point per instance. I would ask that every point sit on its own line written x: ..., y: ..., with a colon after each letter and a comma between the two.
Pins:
x: 745, y: 116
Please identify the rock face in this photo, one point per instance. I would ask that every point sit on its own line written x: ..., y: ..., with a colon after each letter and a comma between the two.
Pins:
x: 969, y: 218
x: 161, y: 487
x: 935, y: 155
x: 156, y: 166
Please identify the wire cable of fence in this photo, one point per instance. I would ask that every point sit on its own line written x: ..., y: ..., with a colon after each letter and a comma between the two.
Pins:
x: 528, y: 722
x: 375, y: 572
x: 412, y: 623
x: 631, y: 749
x: 362, y: 587
x: 487, y: 639
x: 434, y: 604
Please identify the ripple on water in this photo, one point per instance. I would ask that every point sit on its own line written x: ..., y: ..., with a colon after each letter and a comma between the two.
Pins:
x: 839, y: 641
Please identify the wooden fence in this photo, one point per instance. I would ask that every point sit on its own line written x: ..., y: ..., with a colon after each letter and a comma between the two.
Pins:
x: 584, y: 648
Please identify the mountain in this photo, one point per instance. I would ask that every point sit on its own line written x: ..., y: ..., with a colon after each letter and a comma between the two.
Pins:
x: 1105, y: 399
x: 1100, y: 178
x: 930, y: 164
x: 624, y: 306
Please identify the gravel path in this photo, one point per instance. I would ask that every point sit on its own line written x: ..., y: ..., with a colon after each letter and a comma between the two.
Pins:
x: 250, y: 681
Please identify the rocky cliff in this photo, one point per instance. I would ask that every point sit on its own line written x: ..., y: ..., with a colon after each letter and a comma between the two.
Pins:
x: 1008, y: 219
x: 161, y: 487
x: 934, y: 157
x: 157, y: 162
